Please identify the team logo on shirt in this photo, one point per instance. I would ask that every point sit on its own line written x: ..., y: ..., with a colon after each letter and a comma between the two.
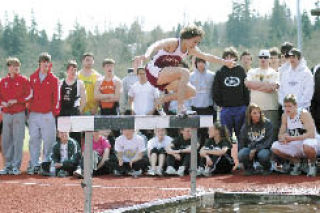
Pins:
x: 292, y: 83
x: 232, y: 81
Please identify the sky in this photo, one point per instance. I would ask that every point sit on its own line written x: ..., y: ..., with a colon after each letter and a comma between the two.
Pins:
x: 106, y: 14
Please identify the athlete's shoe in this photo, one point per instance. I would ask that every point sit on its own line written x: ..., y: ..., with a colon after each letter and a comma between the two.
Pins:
x: 185, y: 113
x: 78, y: 173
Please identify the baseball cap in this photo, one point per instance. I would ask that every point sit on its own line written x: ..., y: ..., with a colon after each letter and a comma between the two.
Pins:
x: 294, y: 52
x: 265, y: 53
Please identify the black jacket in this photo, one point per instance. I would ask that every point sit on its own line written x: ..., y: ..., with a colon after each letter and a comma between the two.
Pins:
x: 228, y: 87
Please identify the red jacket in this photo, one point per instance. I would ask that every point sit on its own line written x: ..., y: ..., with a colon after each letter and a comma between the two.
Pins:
x: 45, y: 94
x: 17, y: 88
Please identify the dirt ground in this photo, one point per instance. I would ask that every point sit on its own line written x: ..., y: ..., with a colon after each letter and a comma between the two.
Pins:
x: 42, y: 194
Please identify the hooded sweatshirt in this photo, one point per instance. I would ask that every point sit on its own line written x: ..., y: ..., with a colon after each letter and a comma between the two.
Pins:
x: 298, y: 81
x: 228, y: 88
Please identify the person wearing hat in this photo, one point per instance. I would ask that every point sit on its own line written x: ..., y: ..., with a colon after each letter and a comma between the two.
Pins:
x: 263, y: 83
x: 297, y: 80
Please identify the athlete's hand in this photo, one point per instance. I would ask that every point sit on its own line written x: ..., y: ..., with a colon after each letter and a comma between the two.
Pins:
x: 177, y: 157
x: 289, y: 138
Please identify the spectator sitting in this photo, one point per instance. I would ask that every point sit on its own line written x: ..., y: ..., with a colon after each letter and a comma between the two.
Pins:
x: 157, y: 151
x: 66, y: 155
x: 179, y: 153
x: 297, y: 137
x: 255, y: 141
x: 216, y: 152
x: 130, y: 149
x: 101, y: 155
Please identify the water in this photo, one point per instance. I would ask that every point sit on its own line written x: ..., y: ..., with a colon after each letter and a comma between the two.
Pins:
x: 244, y: 208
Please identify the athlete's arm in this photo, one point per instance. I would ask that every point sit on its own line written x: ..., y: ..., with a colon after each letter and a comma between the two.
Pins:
x: 283, y: 128
x: 83, y: 96
x: 169, y: 44
x: 211, y: 58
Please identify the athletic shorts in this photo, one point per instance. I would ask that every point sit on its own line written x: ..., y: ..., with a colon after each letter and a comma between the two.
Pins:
x: 295, y: 148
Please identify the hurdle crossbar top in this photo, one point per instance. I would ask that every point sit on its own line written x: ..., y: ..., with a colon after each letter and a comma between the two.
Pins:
x: 93, y: 123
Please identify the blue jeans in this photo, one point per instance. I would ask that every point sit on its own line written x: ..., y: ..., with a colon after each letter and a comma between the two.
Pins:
x: 233, y: 118
x: 262, y: 156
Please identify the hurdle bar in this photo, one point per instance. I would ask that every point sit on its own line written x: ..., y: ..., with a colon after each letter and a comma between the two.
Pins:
x: 88, y: 124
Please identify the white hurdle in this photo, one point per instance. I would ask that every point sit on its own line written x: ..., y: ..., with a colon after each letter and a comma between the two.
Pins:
x: 88, y: 124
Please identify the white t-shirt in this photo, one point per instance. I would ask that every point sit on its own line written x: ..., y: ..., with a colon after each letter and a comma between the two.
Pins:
x: 267, y: 101
x: 143, y: 96
x: 130, y: 148
x: 155, y: 143
x: 63, y: 152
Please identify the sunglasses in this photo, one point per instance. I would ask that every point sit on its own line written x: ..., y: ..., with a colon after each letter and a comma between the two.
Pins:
x: 263, y: 57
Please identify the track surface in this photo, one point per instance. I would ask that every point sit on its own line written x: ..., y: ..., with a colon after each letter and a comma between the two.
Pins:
x: 41, y: 194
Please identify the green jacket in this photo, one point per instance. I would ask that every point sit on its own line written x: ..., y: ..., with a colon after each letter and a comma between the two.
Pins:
x: 74, y: 153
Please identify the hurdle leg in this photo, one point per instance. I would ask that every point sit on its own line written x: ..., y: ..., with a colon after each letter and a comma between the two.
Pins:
x: 193, y: 164
x: 88, y: 161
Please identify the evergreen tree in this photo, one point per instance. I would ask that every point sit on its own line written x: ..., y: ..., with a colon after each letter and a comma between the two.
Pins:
x: 306, y: 25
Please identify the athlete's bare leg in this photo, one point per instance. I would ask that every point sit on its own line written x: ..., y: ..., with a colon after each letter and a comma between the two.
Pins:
x: 177, y: 79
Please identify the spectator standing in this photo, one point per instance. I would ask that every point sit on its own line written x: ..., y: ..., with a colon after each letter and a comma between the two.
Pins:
x: 297, y: 80
x: 89, y: 76
x: 15, y: 92
x: 202, y: 103
x: 73, y: 95
x: 246, y: 60
x: 107, y: 89
x: 263, y: 83
x: 44, y: 107
x: 230, y: 93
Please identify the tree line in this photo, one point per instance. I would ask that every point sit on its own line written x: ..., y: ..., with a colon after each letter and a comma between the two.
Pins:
x: 244, y: 29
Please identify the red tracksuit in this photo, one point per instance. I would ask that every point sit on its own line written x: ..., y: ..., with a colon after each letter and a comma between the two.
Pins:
x: 17, y: 88
x: 45, y: 94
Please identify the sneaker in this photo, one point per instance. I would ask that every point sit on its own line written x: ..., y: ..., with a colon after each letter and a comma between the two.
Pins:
x: 185, y: 113
x: 151, y: 172
x: 30, y: 171
x: 135, y: 173
x: 116, y: 173
x: 296, y: 170
x: 37, y: 170
x: 171, y: 171
x: 159, y: 172
x: 16, y: 171
x: 180, y: 171
x: 206, y: 172
x: 62, y: 173
x: 312, y: 171
x: 6, y: 171
x: 161, y: 112
x: 200, y: 171
x: 78, y: 173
